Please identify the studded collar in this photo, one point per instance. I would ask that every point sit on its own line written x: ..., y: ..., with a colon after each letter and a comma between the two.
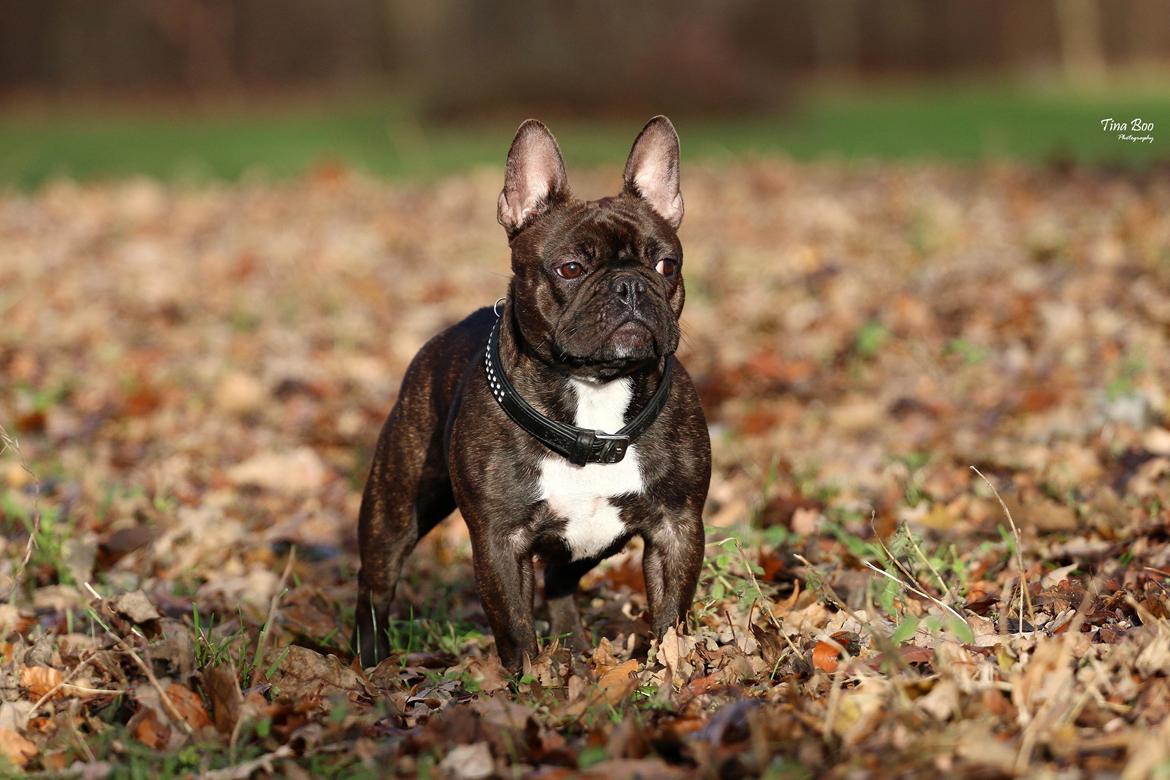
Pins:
x: 578, y: 445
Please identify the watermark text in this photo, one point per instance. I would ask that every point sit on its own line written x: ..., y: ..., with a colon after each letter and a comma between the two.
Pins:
x: 1136, y: 130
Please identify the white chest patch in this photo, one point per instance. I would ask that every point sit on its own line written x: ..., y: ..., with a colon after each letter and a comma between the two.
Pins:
x: 581, y: 494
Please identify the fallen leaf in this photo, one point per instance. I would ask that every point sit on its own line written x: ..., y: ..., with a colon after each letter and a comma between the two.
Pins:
x: 304, y: 672
x: 294, y: 472
x: 701, y: 685
x: 825, y: 656
x: 913, y: 654
x: 469, y: 762
x: 604, y: 656
x: 223, y: 689
x: 16, y: 748
x: 942, y: 702
x: 135, y: 607
x: 501, y: 712
x: 151, y: 723
x: 861, y: 709
x: 239, y: 393
x: 188, y: 704
x: 576, y: 687
x: 149, y: 728
x: 488, y: 673
x: 14, y: 714
x: 634, y: 769
x: 39, y: 680
x: 617, y: 683
x: 546, y: 667
x: 674, y: 651
x: 1057, y: 576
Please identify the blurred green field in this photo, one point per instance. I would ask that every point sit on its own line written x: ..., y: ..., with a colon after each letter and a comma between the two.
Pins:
x: 965, y: 123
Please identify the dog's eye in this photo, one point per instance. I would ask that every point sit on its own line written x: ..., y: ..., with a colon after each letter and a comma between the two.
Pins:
x: 570, y: 270
x: 668, y: 267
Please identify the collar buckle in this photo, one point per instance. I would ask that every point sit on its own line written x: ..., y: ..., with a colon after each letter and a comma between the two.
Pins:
x: 613, y: 447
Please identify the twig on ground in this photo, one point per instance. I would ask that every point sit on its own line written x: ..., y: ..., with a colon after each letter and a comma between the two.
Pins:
x: 84, y: 662
x: 9, y: 442
x: 867, y: 625
x: 273, y: 609
x: 755, y: 583
x: 1025, y: 596
x: 249, y: 768
x: 168, y: 705
x: 915, y: 590
x: 1043, y: 716
x: 731, y: 625
x: 938, y: 577
x: 86, y: 690
x: 832, y: 594
x: 75, y: 734
x: 835, y: 691
x: 897, y: 563
x: 775, y: 621
x: 889, y: 554
x: 834, y: 700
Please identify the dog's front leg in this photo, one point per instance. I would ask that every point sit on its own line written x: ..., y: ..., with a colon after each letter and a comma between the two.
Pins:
x: 671, y: 563
x: 503, y: 574
x: 560, y: 593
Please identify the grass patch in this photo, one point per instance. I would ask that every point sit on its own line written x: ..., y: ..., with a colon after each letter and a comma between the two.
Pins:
x: 965, y: 122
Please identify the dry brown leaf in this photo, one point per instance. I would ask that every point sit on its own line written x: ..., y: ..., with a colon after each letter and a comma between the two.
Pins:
x: 942, y: 702
x: 135, y: 607
x: 469, y: 762
x: 16, y: 748
x: 604, y: 656
x: 617, y: 683
x: 39, y: 680
x: 239, y: 393
x: 293, y: 472
x: 825, y: 656
x: 189, y: 705
x: 304, y: 672
x: 152, y: 723
x: 223, y: 689
x: 700, y: 685
x: 575, y: 687
x: 546, y: 667
x: 674, y: 652
x: 150, y: 729
x: 860, y: 709
x: 634, y: 769
x: 487, y: 672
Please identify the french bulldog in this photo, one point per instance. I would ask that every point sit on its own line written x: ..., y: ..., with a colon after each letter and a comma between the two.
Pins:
x: 559, y: 421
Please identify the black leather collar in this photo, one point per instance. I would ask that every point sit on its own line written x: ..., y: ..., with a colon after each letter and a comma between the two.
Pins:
x: 577, y: 445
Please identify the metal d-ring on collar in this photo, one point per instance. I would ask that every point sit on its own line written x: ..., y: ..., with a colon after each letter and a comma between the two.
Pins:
x: 578, y: 445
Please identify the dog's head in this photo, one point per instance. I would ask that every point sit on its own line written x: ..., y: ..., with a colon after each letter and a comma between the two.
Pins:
x: 597, y: 285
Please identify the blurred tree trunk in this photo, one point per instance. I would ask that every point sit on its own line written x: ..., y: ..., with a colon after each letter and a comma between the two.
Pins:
x: 1082, y: 52
x: 202, y: 30
x: 836, y: 35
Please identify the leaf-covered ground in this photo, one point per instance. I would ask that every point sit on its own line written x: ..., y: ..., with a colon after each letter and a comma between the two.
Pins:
x: 192, y: 378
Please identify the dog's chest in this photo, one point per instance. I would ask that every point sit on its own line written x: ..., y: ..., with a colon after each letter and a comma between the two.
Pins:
x: 581, y: 494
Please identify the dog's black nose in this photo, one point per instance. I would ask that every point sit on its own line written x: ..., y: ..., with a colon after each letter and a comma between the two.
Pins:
x: 627, y: 287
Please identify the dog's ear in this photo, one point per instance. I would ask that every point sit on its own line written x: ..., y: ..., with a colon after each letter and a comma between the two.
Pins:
x: 534, y: 178
x: 652, y: 170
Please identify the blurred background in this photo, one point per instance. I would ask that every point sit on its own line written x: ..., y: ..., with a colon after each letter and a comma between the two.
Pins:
x: 213, y: 88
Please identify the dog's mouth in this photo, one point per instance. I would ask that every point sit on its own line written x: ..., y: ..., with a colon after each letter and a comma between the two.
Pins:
x: 631, y: 343
x: 631, y: 336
